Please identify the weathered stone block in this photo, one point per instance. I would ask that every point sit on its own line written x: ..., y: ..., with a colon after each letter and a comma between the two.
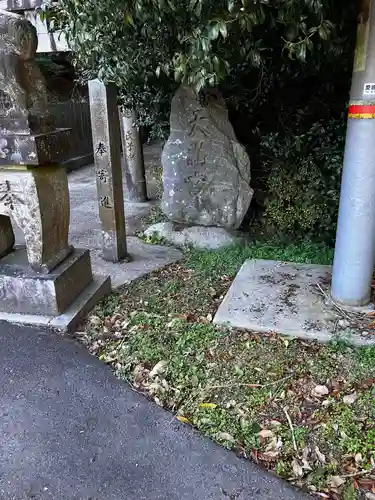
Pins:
x: 24, y: 101
x: 25, y: 291
x: 27, y: 134
x: 37, y: 200
x: 207, y: 238
x: 270, y: 296
x: 206, y: 169
x: 34, y: 150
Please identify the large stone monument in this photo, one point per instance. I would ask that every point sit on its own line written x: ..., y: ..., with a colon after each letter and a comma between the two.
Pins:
x: 206, y: 170
x: 47, y: 280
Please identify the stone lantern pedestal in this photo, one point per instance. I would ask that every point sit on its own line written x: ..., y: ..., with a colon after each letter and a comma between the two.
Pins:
x: 48, y: 282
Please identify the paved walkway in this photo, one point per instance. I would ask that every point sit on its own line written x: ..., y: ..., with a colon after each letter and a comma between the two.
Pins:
x: 69, y: 430
x: 85, y: 229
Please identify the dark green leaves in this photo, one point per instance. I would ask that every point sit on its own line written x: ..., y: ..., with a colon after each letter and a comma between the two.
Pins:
x: 187, y: 35
x: 148, y: 47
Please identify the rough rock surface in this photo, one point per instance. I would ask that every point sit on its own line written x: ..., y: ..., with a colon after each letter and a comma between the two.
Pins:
x: 209, y: 238
x: 206, y: 170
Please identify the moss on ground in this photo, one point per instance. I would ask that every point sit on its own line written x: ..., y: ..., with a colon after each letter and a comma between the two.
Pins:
x: 303, y: 410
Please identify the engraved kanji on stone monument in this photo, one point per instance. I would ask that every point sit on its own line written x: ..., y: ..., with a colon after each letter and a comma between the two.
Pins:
x: 133, y: 155
x: 107, y: 153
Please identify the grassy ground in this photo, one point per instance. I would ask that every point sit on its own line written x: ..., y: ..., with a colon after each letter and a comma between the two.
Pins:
x: 303, y: 410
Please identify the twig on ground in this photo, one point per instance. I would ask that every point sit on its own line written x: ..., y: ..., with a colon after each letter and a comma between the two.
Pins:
x: 360, y: 473
x: 132, y: 387
x: 291, y: 428
x: 243, y: 384
x: 195, y: 393
x: 183, y: 404
x: 249, y: 384
x: 278, y: 381
x: 335, y: 305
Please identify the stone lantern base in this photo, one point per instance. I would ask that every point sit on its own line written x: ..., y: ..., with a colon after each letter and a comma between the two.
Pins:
x: 58, y: 299
x: 23, y: 290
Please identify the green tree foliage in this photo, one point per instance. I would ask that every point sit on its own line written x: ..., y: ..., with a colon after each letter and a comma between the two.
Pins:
x: 304, y: 179
x: 146, y: 47
x: 284, y: 67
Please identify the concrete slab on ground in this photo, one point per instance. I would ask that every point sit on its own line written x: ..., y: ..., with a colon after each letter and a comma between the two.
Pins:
x: 69, y: 430
x: 281, y: 297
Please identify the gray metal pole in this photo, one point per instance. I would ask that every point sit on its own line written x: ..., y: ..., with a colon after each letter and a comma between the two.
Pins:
x: 355, y: 240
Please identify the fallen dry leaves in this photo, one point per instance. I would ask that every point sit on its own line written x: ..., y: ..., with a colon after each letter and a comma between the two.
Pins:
x: 260, y: 395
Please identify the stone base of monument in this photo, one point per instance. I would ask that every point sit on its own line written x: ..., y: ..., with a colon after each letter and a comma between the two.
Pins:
x: 58, y: 299
x: 292, y: 300
x: 201, y: 237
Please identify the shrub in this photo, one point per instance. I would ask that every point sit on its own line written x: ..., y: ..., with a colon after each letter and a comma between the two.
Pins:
x: 304, y: 179
x: 148, y: 47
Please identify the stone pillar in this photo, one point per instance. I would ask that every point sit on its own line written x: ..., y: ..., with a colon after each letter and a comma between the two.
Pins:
x: 37, y: 200
x: 133, y: 155
x: 107, y: 153
x: 355, y: 240
x: 45, y: 280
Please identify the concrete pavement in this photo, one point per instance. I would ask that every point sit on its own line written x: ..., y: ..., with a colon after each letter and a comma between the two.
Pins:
x: 69, y: 430
x: 85, y: 228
